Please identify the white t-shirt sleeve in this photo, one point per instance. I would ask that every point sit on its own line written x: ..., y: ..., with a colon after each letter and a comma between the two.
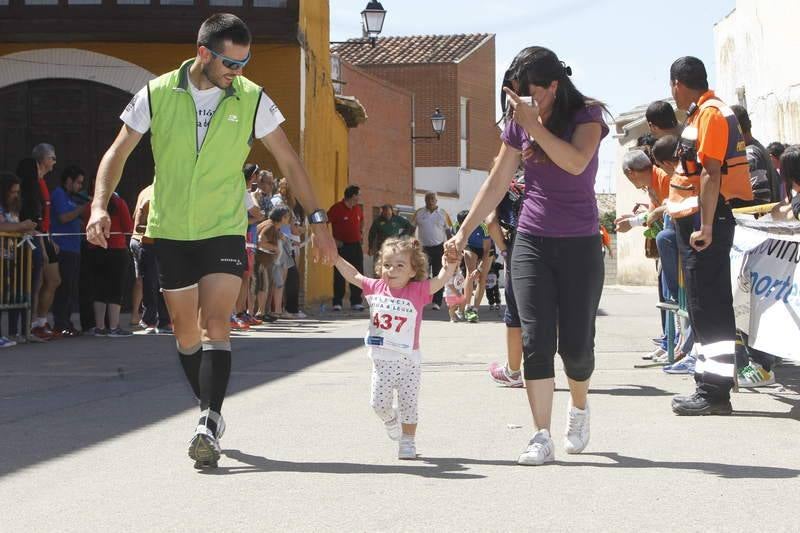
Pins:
x: 268, y: 117
x: 137, y: 112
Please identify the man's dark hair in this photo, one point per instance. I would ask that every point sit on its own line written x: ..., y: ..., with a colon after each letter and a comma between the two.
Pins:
x: 351, y: 191
x: 661, y: 114
x: 743, y: 117
x: 790, y: 165
x: 775, y: 149
x: 664, y: 148
x: 691, y: 72
x: 7, y: 181
x: 221, y: 27
x: 646, y: 140
x: 248, y: 170
x: 71, y: 173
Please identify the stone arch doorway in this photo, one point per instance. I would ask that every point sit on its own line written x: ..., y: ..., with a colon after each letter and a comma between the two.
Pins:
x: 80, y: 118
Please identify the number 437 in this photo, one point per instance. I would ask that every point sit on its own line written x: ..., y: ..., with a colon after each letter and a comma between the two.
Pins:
x: 387, y: 321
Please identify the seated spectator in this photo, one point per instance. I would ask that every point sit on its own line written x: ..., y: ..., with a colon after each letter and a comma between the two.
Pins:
x: 9, y: 223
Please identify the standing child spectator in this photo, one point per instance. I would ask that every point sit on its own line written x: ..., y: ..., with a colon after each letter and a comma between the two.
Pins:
x: 493, y: 285
x: 269, y: 242
x: 396, y: 303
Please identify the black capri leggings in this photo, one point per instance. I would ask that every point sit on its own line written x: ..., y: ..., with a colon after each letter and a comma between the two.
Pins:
x: 109, y: 271
x: 557, y: 282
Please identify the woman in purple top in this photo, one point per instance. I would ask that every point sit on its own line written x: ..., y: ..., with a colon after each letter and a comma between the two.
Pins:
x: 557, y: 264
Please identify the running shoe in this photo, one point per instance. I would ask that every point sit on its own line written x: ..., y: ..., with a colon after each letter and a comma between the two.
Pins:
x: 204, y: 448
x: 299, y: 315
x: 576, y: 437
x: 358, y: 307
x: 500, y: 374
x: 754, y: 375
x: 238, y: 324
x: 459, y: 315
x: 42, y: 332
x: 119, y: 332
x: 97, y: 332
x: 684, y: 366
x: 70, y: 332
x: 407, y: 449
x: 252, y: 320
x: 436, y: 307
x: 165, y: 330
x: 267, y: 318
x: 337, y: 307
x: 471, y: 315
x: 540, y: 450
x: 699, y: 405
x: 658, y: 352
x: 5, y: 342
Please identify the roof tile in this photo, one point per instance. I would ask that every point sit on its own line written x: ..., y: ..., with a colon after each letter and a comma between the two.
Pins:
x: 411, y: 49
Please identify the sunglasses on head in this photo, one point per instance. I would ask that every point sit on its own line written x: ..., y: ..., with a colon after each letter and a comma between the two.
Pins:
x: 227, y: 62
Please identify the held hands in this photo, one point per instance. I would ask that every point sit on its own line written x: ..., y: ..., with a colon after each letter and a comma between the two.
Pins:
x: 456, y: 244
x: 323, y: 246
x: 98, y: 229
x: 526, y: 115
x: 700, y: 240
x: 451, y: 256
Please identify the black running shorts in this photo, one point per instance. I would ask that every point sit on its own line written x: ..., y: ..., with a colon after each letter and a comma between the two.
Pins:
x: 181, y: 264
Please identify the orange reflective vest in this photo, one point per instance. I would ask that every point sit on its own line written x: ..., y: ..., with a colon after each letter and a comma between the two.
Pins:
x: 684, y: 189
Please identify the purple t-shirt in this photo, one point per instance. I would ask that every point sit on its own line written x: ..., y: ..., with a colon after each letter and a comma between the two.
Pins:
x: 558, y: 204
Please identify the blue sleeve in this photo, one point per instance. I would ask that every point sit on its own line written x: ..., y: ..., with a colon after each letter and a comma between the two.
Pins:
x: 60, y: 203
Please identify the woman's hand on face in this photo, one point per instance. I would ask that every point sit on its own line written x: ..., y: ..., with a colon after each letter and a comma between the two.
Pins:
x: 526, y: 115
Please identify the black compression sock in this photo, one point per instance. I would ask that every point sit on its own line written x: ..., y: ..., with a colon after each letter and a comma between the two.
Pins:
x: 191, y: 367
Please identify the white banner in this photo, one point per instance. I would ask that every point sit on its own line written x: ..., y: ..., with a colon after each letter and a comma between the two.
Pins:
x: 766, y: 285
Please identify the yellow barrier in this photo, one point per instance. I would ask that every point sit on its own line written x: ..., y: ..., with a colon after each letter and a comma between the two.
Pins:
x: 762, y: 209
x: 15, y: 277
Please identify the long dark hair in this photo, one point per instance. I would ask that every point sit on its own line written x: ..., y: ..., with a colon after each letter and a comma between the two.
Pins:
x: 540, y: 66
x: 7, y: 181
x: 28, y: 174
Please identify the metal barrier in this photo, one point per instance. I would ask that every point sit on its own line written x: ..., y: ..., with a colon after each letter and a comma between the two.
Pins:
x: 15, y: 279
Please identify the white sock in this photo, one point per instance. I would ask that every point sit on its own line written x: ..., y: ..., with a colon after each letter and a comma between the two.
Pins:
x: 407, y: 438
x: 39, y: 322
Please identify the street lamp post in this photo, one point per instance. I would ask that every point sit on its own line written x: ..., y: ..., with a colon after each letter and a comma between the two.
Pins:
x: 372, y: 18
x: 438, y: 122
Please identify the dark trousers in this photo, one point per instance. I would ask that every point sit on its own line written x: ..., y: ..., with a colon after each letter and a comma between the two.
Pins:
x: 434, y: 254
x: 155, y: 308
x: 291, y: 290
x: 557, y: 284
x: 86, y: 287
x: 710, y: 302
x: 67, y: 294
x: 350, y: 252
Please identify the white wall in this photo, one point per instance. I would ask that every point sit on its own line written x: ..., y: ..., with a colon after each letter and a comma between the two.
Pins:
x: 756, y: 47
x: 465, y: 183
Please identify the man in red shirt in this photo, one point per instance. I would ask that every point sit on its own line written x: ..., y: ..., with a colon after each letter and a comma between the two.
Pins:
x: 347, y: 221
x: 45, y: 156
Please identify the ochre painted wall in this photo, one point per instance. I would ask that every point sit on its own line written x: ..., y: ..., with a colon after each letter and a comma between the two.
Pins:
x: 324, y: 146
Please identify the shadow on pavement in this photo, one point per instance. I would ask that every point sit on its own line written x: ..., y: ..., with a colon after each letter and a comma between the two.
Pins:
x: 628, y: 390
x: 87, y: 391
x: 717, y: 469
x: 439, y: 467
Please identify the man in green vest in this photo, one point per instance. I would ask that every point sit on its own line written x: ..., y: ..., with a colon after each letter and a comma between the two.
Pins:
x: 197, y: 212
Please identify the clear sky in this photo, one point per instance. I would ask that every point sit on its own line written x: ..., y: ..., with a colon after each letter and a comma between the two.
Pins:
x: 619, y: 50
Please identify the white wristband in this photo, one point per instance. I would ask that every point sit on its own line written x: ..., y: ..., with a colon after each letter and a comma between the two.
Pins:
x: 638, y: 220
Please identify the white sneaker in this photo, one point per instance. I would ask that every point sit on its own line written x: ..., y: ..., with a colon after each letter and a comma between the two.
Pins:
x: 407, y: 448
x: 658, y: 352
x: 337, y: 307
x: 358, y: 307
x: 577, y: 435
x: 5, y: 342
x: 393, y: 428
x: 301, y: 315
x: 204, y: 448
x: 436, y: 307
x: 540, y: 450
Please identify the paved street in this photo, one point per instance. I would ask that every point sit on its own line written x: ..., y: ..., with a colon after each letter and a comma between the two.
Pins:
x: 94, y: 435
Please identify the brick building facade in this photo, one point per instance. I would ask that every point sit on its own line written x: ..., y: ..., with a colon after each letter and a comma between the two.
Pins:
x: 454, y: 73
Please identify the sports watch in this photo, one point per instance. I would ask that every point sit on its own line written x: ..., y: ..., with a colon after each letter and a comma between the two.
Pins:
x: 318, y: 217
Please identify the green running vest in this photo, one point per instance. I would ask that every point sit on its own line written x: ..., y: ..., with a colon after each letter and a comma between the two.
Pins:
x: 199, y: 194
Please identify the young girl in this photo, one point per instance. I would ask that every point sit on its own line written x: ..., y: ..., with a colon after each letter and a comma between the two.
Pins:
x: 396, y: 302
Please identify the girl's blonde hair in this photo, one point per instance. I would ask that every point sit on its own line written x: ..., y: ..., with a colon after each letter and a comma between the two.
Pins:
x: 400, y: 245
